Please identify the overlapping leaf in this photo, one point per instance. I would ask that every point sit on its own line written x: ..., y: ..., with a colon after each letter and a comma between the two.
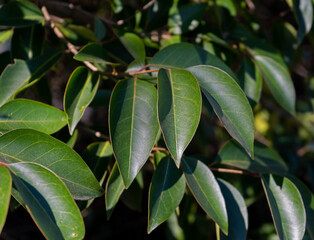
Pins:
x: 93, y: 53
x: 134, y: 45
x: 5, y: 194
x: 179, y: 109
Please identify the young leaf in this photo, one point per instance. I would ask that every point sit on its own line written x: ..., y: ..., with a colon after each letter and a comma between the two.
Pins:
x: 266, y: 159
x: 179, y: 109
x: 134, y: 45
x: 5, y: 194
x: 48, y: 201
x: 24, y: 113
x: 206, y: 190
x: 80, y: 91
x: 26, y: 145
x: 229, y: 103
x: 165, y: 193
x: 133, y: 125
x: 286, y: 206
x: 94, y: 53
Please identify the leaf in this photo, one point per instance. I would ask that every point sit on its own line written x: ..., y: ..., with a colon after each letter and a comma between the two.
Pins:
x: 26, y: 145
x: 184, y: 55
x: 179, y: 109
x: 133, y: 125
x: 229, y: 103
x: 134, y: 45
x: 165, y: 193
x: 266, y: 159
x: 48, y: 201
x: 286, y: 206
x: 114, y: 189
x: 236, y: 210
x: 20, y: 14
x: 80, y: 91
x: 100, y: 29
x: 24, y: 113
x: 94, y: 53
x: 5, y: 194
x: 206, y: 190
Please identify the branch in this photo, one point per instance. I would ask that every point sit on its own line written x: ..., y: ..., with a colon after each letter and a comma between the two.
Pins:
x: 234, y: 171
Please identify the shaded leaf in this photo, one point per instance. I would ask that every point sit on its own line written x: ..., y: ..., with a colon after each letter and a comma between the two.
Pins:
x: 100, y: 29
x: 165, y: 193
x: 134, y: 45
x: 133, y: 125
x: 206, y: 190
x: 24, y: 113
x: 286, y: 206
x: 80, y: 91
x: 48, y: 201
x: 102, y: 98
x: 5, y: 194
x: 229, y: 103
x: 94, y: 53
x: 26, y: 145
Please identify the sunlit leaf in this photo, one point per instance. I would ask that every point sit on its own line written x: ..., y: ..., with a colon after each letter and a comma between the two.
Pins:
x: 134, y: 45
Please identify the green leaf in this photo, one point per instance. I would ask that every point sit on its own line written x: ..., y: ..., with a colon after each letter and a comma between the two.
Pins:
x: 266, y: 159
x: 184, y: 55
x: 94, y: 53
x: 134, y: 45
x: 5, y: 193
x: 165, y: 193
x: 114, y: 189
x: 48, y: 201
x: 20, y: 14
x: 24, y: 113
x: 236, y: 210
x: 26, y: 145
x: 286, y: 207
x: 133, y: 125
x: 80, y: 91
x: 206, y: 190
x: 179, y: 109
x: 229, y: 103
x: 100, y: 29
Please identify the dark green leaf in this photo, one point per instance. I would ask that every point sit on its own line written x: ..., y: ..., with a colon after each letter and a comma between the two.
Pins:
x: 5, y: 193
x: 80, y: 91
x: 101, y: 98
x: 133, y: 196
x: 286, y: 207
x: 157, y: 14
x: 48, y: 201
x: 266, y: 160
x: 23, y: 113
x: 229, y: 103
x: 26, y: 145
x: 133, y: 125
x: 158, y: 155
x: 134, y: 45
x: 165, y: 193
x: 20, y: 14
x: 100, y: 29
x: 94, y: 53
x: 206, y: 190
x: 179, y: 109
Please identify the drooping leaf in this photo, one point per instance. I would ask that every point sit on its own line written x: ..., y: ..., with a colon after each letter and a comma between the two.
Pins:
x: 286, y: 207
x: 165, y: 193
x: 114, y: 189
x: 94, y: 53
x: 229, y: 103
x: 5, y: 193
x: 236, y: 210
x: 206, y: 190
x: 48, y: 201
x: 20, y: 13
x: 134, y: 45
x: 80, y: 91
x: 133, y: 125
x: 266, y: 159
x: 99, y: 28
x: 179, y: 109
x: 27, y: 145
x: 24, y: 113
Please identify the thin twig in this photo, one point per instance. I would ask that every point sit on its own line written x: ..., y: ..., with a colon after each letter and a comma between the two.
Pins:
x: 224, y: 170
x: 141, y: 72
x: 3, y: 164
x: 159, y: 149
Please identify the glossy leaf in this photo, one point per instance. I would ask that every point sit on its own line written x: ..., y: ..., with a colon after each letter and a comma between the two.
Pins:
x: 5, y: 194
x: 26, y: 145
x: 286, y: 207
x: 134, y: 45
x: 80, y: 91
x: 165, y: 193
x: 179, y: 109
x: 266, y: 159
x: 24, y: 113
x: 237, y: 212
x: 229, y: 103
x: 48, y: 201
x: 20, y: 13
x: 133, y: 125
x: 206, y: 190
x: 94, y: 53
x: 114, y: 189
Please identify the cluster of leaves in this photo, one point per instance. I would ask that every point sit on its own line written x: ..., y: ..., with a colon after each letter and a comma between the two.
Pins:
x: 156, y: 92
